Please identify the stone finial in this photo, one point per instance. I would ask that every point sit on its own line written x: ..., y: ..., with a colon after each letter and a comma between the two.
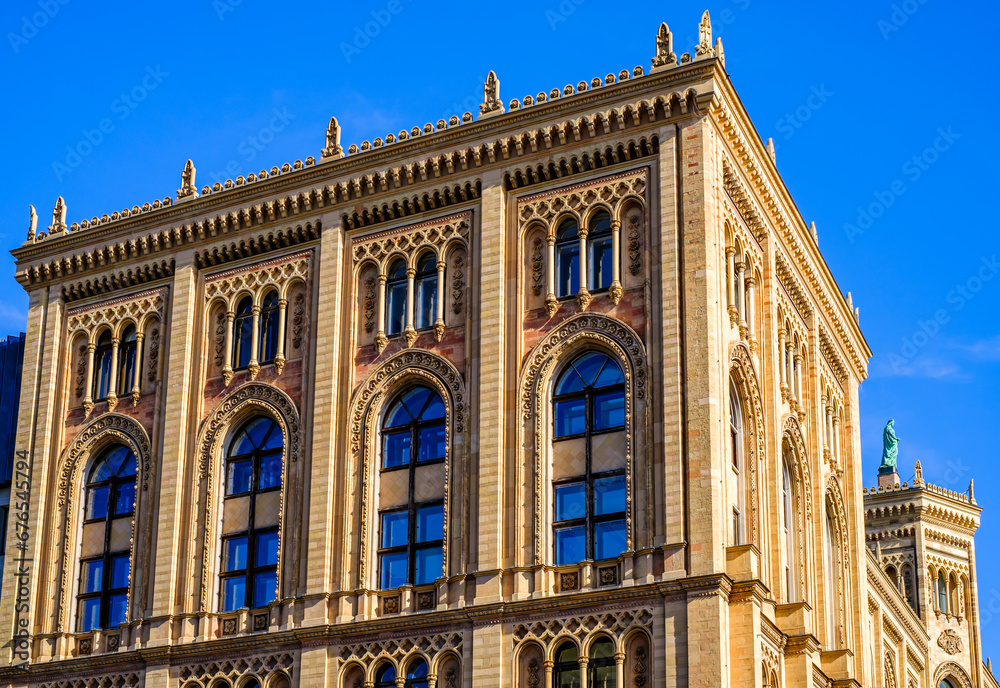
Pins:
x: 333, y: 149
x: 850, y: 302
x: 770, y: 150
x: 972, y: 494
x: 58, y: 217
x: 32, y: 224
x: 188, y: 191
x: 812, y: 230
x: 704, y: 48
x: 918, y: 474
x: 857, y: 315
x: 665, y: 57
x: 492, y: 105
x: 719, y: 52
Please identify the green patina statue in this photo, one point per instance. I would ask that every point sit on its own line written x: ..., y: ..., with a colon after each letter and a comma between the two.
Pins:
x: 890, y: 450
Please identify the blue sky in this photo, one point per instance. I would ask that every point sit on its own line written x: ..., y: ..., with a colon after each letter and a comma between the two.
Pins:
x: 878, y: 110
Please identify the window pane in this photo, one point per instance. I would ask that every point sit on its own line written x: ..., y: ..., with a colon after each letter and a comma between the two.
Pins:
x: 415, y: 400
x: 126, y: 371
x: 268, y: 336
x: 393, y: 570
x: 426, y: 311
x: 430, y: 523
x: 398, y: 415
x: 570, y: 417
x: 103, y: 374
x: 571, y: 501
x: 609, y: 539
x: 602, y: 649
x: 571, y: 545
x: 395, y: 529
x: 604, y: 677
x: 101, y: 472
x: 90, y: 614
x: 434, y: 409
x: 432, y: 443
x: 92, y: 576
x: 418, y: 669
x: 396, y: 310
x: 589, y: 365
x: 569, y: 678
x: 244, y: 332
x: 570, y: 382
x: 567, y: 652
x: 233, y: 593
x: 429, y: 565
x: 264, y: 588
x: 118, y: 612
x: 97, y: 502
x: 125, y: 501
x: 234, y: 557
x: 240, y: 473
x: 609, y: 495
x: 568, y: 270
x: 611, y: 375
x: 396, y: 449
x: 267, y: 549
x: 599, y: 266
x: 114, y: 459
x: 609, y: 410
x: 270, y: 472
x: 119, y: 572
x: 275, y: 440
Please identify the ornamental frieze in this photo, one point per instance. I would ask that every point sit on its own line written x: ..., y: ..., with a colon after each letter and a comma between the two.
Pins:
x: 411, y: 239
x: 578, y: 198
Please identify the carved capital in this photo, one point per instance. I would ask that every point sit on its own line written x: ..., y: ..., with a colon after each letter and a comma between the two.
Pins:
x: 279, y: 363
x: 583, y: 299
x: 551, y: 304
x: 439, y: 330
x: 88, y: 406
x: 254, y: 369
x: 409, y: 336
x: 381, y: 341
x: 112, y: 401
x: 227, y: 375
x: 135, y: 396
x: 616, y: 292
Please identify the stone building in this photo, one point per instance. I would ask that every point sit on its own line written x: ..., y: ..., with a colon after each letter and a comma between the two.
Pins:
x: 562, y: 394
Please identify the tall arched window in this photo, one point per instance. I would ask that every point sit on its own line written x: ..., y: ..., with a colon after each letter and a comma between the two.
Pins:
x: 267, y: 338
x: 105, y: 549
x: 411, y: 513
x: 601, y: 669
x: 425, y: 288
x: 737, y: 484
x: 599, y: 253
x: 589, y: 460
x: 788, y: 525
x: 832, y: 594
x: 567, y: 259
x: 416, y: 674
x: 102, y: 366
x: 126, y: 361
x: 395, y: 298
x: 566, y: 671
x: 385, y: 677
x: 249, y: 576
x: 942, y: 591
x: 243, y: 333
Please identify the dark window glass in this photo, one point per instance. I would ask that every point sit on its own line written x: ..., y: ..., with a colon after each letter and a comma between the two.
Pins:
x: 426, y: 288
x: 385, y: 677
x: 243, y: 334
x: 567, y: 250
x: 599, y: 255
x: 603, y: 673
x: 395, y: 298
x: 416, y: 674
x: 104, y: 579
x: 267, y: 338
x: 102, y: 367
x: 566, y: 672
x: 126, y: 362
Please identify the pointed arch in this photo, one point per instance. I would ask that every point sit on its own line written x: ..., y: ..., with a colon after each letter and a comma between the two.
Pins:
x: 792, y: 438
x: 744, y: 379
x: 836, y: 512
x: 954, y: 673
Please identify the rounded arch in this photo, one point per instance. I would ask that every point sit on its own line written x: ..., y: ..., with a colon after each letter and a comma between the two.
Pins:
x: 264, y: 290
x: 369, y: 262
x: 562, y: 217
x: 367, y: 407
x: 250, y: 399
x: 596, y: 209
x: 743, y: 375
x: 251, y: 681
x: 278, y: 679
x: 797, y: 455
x: 954, y: 673
x: 596, y: 637
x: 836, y: 512
x: 390, y: 259
x: 626, y: 204
x: 558, y: 643
x: 572, y: 336
x: 441, y: 660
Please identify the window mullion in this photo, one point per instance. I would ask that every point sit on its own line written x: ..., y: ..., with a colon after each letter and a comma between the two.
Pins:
x: 251, y: 535
x: 589, y: 491
x: 411, y: 526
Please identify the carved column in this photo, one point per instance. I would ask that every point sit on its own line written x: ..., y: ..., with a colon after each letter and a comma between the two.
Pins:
x: 409, y: 332
x: 113, y: 377
x: 254, y: 343
x: 583, y: 297
x: 782, y: 372
x: 227, y: 368
x: 401, y: 681
x: 551, y: 303
x: 790, y: 364
x: 584, y: 661
x: 279, y: 353
x: 741, y: 299
x: 797, y: 359
x: 751, y: 315
x: 616, y: 290
x: 836, y: 439
x: 432, y: 680
x: 620, y: 669
x: 731, y: 284
x: 88, y: 400
x: 829, y: 426
x: 439, y: 323
x: 380, y: 339
x: 137, y: 384
x: 548, y: 664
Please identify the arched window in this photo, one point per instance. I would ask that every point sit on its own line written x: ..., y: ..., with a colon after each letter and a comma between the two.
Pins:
x: 416, y: 674
x: 566, y: 671
x: 893, y: 576
x: 942, y: 591
x: 267, y: 338
x: 126, y: 361
x: 252, y: 506
x: 737, y: 484
x: 252, y: 683
x: 599, y: 253
x: 412, y: 510
x: 109, y: 507
x: 243, y: 333
x: 601, y: 669
x: 832, y: 594
x: 395, y: 298
x: 102, y: 366
x: 788, y: 524
x: 426, y: 287
x: 567, y: 259
x: 945, y: 683
x: 588, y: 460
x: 385, y: 677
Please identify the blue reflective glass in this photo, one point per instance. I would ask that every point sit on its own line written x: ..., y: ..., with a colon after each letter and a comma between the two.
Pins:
x: 429, y: 564
x: 233, y: 593
x: 398, y: 415
x: 609, y: 495
x: 119, y: 610
x: 97, y: 502
x: 571, y: 501
x: 238, y: 480
x: 244, y: 334
x: 395, y: 528
x: 571, y: 545
x: 267, y: 549
x: 101, y: 472
x: 568, y: 270
x: 125, y: 500
x: 270, y: 472
x: 425, y: 312
x: 432, y: 443
x: 275, y: 440
x: 609, y: 539
x: 119, y: 572
x: 418, y: 669
x: 609, y: 410
x: 415, y: 400
x: 92, y: 576
x: 257, y: 430
x: 589, y: 365
x: 434, y: 409
x: 570, y: 382
x: 386, y: 673
x: 611, y: 375
x: 396, y: 449
x: 264, y: 588
x: 599, y: 264
x: 90, y: 614
x: 115, y: 458
x: 393, y: 570
x: 430, y: 523
x: 396, y: 308
x: 571, y: 417
x: 234, y: 556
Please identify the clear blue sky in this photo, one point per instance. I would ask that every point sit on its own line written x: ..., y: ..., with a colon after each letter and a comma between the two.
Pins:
x: 851, y: 92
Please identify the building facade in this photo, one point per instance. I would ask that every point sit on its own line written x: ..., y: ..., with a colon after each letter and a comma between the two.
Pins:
x: 563, y: 394
x: 11, y: 358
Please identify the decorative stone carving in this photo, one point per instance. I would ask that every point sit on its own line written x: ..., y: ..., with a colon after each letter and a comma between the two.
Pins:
x: 491, y: 105
x: 614, y: 622
x: 32, y: 224
x: 390, y: 605
x: 138, y: 307
x: 188, y: 190
x: 298, y: 320
x: 260, y: 622
x: 333, y: 149
x: 81, y: 370
x: 58, y: 217
x: 537, y: 266
x: 569, y: 581
x: 220, y: 338
x: 276, y: 272
x: 371, y: 650
x: 608, y: 575
x: 704, y: 48
x: 450, y: 679
x: 229, y: 626
x: 234, y: 670
x: 425, y: 600
x: 533, y: 679
x: 950, y: 642
x: 744, y: 376
x: 457, y: 285
x: 410, y: 240
x: 665, y: 55
x: 639, y: 667
x: 612, y: 190
x: 154, y: 354
x: 370, y: 302
x: 634, y: 245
